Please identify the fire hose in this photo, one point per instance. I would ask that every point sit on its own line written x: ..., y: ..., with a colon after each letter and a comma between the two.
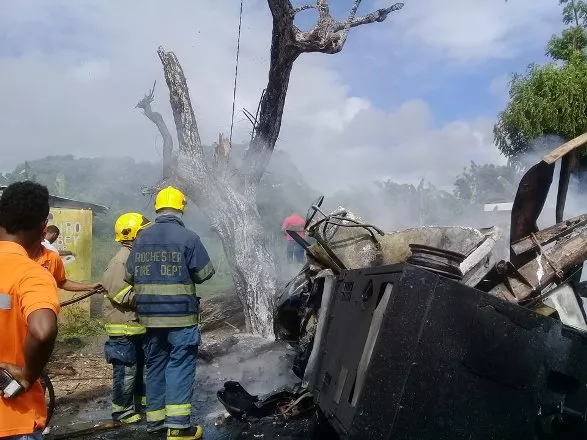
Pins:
x: 83, y: 296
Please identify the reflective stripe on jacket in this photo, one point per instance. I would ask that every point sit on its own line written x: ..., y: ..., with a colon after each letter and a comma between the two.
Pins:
x: 165, y: 263
x: 131, y: 329
x: 120, y: 319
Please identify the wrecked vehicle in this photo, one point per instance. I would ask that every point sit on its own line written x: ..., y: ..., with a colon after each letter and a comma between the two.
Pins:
x: 423, y: 334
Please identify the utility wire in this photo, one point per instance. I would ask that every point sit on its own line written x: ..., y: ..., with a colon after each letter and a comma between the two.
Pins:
x: 238, y: 47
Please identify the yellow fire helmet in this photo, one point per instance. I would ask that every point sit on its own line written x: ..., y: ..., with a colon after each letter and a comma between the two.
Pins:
x: 171, y: 198
x: 128, y: 225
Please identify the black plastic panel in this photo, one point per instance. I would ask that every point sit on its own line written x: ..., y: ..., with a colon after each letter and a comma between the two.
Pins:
x: 450, y: 362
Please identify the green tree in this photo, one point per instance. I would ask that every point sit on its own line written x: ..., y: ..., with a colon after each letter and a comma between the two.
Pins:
x: 22, y: 172
x: 480, y: 184
x: 549, y: 99
x: 419, y: 205
x: 573, y: 41
x: 60, y: 184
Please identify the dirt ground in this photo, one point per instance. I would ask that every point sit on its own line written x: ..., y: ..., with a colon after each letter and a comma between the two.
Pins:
x: 82, y: 383
x: 79, y: 372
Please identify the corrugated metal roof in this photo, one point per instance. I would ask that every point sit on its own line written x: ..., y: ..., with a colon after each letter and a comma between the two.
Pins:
x: 64, y: 202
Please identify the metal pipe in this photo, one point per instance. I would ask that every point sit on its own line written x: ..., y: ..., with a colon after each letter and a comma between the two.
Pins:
x: 309, y: 381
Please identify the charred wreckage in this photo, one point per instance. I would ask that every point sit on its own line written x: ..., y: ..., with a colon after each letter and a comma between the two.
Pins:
x: 423, y: 333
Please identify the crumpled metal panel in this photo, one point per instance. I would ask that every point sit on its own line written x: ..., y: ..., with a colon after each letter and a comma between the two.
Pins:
x: 566, y: 302
x: 356, y: 248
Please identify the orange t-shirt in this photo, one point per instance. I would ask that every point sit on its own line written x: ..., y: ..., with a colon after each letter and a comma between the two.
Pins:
x: 24, y: 288
x: 51, y: 261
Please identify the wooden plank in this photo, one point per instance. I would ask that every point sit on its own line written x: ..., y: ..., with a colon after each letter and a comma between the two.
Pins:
x: 565, y: 148
x: 548, y: 235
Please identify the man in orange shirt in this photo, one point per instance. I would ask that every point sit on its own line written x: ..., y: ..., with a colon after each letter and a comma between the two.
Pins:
x: 28, y: 309
x: 52, y: 261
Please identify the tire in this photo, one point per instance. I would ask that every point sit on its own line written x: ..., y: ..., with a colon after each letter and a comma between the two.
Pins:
x: 49, y: 395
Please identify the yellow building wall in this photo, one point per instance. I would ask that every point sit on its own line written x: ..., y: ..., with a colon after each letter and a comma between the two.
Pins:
x: 75, y: 226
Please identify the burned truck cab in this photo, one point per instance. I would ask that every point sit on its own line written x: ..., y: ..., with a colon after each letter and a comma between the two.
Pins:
x: 422, y: 333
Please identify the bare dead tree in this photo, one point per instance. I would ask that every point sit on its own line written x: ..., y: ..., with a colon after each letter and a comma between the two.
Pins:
x: 157, y: 119
x: 229, y: 199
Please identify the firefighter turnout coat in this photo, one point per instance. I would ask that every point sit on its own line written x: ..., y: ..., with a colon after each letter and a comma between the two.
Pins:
x: 165, y: 263
x: 119, y: 316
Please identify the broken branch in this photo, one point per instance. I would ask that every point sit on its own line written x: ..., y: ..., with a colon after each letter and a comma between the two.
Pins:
x: 304, y: 8
x: 376, y: 16
x: 250, y: 117
x: 157, y: 119
x: 329, y: 35
x: 323, y: 8
x: 353, y: 12
x: 148, y: 99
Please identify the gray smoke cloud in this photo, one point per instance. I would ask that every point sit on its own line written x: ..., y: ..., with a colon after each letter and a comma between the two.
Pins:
x: 73, y: 71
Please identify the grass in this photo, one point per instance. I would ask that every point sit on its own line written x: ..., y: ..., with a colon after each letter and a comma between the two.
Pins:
x: 76, y: 323
x: 103, y: 249
x: 218, y: 285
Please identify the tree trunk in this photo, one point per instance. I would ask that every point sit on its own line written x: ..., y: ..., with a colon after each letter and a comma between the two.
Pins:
x: 230, y: 201
x: 235, y: 218
x: 253, y: 268
x: 230, y: 208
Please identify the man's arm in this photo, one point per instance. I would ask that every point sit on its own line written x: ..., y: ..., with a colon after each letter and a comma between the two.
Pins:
x: 39, y: 305
x: 38, y: 346
x: 61, y: 277
x: 75, y: 286
x: 199, y: 264
x: 122, y: 296
x: 39, y: 342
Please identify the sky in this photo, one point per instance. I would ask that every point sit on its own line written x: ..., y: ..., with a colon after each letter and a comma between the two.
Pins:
x: 413, y: 97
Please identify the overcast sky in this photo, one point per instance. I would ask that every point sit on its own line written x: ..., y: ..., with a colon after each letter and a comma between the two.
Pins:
x: 415, y: 96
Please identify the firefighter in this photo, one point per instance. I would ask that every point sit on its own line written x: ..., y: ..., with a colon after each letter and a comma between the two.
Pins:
x: 124, y: 348
x: 165, y: 263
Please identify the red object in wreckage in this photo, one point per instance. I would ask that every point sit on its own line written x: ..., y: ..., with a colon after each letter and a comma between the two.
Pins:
x: 294, y: 222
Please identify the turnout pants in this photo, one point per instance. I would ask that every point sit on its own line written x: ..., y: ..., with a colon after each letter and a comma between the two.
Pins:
x: 171, y: 372
x: 127, y: 357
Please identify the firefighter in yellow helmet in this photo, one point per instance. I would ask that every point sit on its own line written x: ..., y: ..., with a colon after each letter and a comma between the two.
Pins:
x: 165, y: 264
x: 124, y: 348
x: 170, y: 199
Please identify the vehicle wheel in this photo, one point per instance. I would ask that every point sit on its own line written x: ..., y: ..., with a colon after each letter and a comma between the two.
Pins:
x: 49, y: 395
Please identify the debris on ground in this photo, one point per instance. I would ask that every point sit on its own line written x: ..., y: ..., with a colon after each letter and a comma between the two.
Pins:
x: 257, y: 363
